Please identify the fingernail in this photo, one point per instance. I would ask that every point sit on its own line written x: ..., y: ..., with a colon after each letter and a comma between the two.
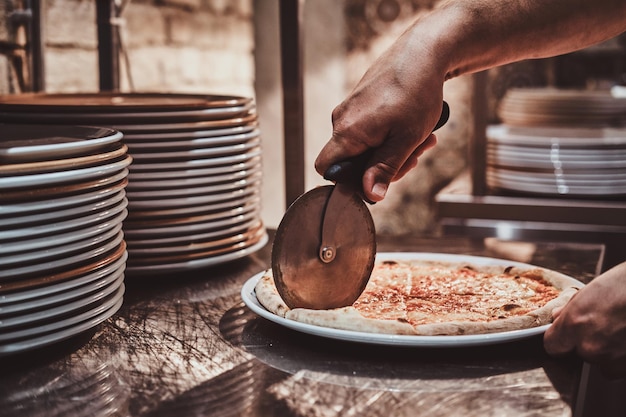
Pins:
x: 379, y: 190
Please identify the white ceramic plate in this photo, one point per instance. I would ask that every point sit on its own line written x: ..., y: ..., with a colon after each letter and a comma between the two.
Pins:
x: 555, y: 189
x: 33, y: 295
x: 63, y: 297
x: 105, y: 118
x: 197, y: 263
x: 158, y: 135
x: 161, y: 127
x: 96, y: 317
x: 617, y: 177
x: 62, y: 238
x: 66, y: 262
x: 548, y: 161
x: 564, y: 137
x: 249, y: 298
x: 27, y: 233
x: 197, y: 143
x: 134, y: 195
x: 27, y: 143
x: 187, y: 229
x: 57, y: 336
x: 192, y: 246
x: 179, y: 240
x: 22, y: 325
x: 153, y: 166
x: 204, y: 217
x: 192, y: 173
x: 192, y: 201
x: 192, y: 182
x: 58, y: 177
x: 63, y: 213
x: 158, y: 156
x: 47, y: 204
x: 194, y: 210
x: 58, y: 251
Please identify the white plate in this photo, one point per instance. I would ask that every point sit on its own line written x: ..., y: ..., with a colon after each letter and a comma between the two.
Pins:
x: 76, y: 327
x: 40, y: 292
x: 158, y: 156
x: 134, y: 195
x: 67, y: 262
x: 63, y: 213
x: 191, y: 246
x: 554, y: 189
x: 27, y: 143
x: 197, y: 143
x: 190, y: 211
x: 249, y: 298
x: 57, y: 251
x: 158, y: 135
x: 58, y: 305
x: 191, y: 173
x: 192, y: 201
x: 204, y: 217
x: 104, y: 118
x: 62, y: 238
x: 555, y: 151
x: 551, y: 162
x: 197, y: 263
x: 613, y: 176
x: 47, y: 204
x: 153, y: 166
x: 56, y: 336
x: 58, y: 177
x: 562, y: 136
x: 158, y: 126
x: 192, y: 182
x: 179, y: 240
x: 27, y: 233
x: 187, y: 229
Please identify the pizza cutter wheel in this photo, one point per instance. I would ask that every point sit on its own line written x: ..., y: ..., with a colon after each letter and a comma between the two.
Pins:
x: 325, y: 246
x: 324, y: 249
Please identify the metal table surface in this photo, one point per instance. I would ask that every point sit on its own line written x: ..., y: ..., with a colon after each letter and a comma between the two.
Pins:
x: 184, y: 344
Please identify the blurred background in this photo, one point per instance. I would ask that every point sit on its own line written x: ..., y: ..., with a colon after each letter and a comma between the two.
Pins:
x: 233, y: 47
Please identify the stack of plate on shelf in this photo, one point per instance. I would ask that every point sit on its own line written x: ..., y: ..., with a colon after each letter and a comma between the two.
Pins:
x: 194, y: 184
x: 561, y: 107
x: 62, y: 252
x: 557, y: 161
x: 558, y: 142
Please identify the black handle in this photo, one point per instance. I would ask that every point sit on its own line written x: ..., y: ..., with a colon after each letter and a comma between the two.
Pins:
x: 352, y: 169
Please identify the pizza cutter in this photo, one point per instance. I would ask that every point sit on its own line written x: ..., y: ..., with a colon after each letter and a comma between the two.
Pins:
x: 325, y: 246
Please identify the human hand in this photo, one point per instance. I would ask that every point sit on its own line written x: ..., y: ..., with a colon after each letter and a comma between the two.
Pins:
x: 593, y: 324
x: 391, y: 113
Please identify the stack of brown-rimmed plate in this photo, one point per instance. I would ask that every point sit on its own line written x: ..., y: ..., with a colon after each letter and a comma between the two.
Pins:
x: 557, y: 161
x: 62, y: 252
x: 561, y: 107
x: 194, y: 184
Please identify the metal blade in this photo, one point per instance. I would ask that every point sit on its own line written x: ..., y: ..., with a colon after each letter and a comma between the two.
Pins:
x: 324, y: 220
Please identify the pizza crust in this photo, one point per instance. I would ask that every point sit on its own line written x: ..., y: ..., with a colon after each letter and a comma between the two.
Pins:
x: 349, y: 318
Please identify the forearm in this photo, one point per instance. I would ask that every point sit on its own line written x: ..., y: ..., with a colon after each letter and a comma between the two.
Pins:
x: 471, y: 35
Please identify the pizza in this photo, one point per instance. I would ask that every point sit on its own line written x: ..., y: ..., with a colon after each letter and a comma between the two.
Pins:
x: 422, y: 297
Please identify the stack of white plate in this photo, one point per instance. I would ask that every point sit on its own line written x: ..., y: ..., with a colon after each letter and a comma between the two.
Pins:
x: 553, y: 161
x: 62, y: 252
x: 194, y: 184
x: 561, y: 107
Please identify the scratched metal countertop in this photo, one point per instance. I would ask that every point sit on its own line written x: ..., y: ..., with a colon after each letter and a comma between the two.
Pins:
x: 184, y: 344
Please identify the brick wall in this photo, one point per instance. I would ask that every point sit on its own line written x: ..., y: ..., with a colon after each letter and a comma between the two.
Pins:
x: 203, y: 46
